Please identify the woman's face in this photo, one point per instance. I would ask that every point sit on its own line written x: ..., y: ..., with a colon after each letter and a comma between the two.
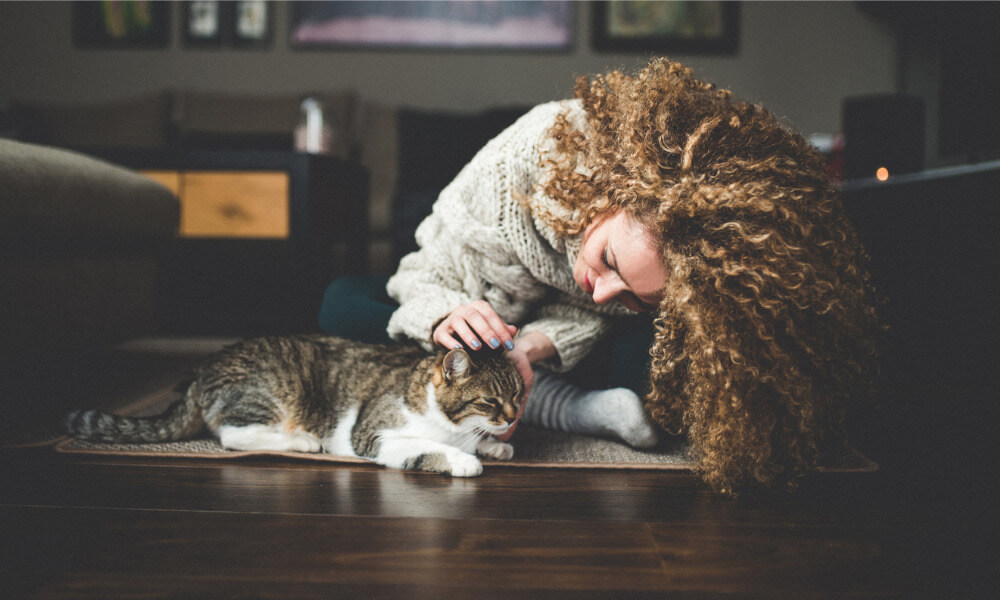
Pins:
x: 618, y: 260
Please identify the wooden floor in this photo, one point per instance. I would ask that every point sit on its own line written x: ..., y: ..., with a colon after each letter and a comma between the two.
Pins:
x: 82, y: 527
x: 74, y: 526
x: 112, y: 528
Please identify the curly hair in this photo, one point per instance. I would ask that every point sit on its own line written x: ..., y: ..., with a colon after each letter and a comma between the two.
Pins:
x: 767, y: 330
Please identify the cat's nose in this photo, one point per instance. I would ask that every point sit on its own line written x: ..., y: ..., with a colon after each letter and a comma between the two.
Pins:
x: 509, y: 413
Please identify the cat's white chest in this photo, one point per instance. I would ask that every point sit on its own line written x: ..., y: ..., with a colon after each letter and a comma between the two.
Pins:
x: 434, y: 425
x: 427, y: 441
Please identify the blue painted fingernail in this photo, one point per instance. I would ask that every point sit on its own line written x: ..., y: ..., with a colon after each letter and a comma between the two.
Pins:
x: 494, y: 343
x: 509, y: 345
x: 475, y: 344
x: 457, y: 346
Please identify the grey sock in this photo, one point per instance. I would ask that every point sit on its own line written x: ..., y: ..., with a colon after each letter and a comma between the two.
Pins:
x: 617, y: 412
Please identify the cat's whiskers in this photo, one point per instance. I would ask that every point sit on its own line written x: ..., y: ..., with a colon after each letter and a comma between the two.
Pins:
x: 469, y: 436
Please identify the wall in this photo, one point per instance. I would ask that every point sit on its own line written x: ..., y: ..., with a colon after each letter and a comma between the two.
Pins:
x: 797, y: 58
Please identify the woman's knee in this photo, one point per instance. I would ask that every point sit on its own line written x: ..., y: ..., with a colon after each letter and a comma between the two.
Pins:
x: 356, y: 308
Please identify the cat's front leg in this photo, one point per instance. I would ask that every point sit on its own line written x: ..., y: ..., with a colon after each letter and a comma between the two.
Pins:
x: 490, y: 447
x: 426, y: 455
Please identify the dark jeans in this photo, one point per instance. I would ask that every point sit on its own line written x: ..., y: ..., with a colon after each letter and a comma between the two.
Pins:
x: 358, y: 308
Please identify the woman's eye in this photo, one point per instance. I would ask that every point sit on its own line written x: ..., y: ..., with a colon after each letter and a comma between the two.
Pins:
x: 604, y: 258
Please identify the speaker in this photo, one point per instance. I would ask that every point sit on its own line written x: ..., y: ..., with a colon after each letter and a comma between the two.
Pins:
x: 883, y: 135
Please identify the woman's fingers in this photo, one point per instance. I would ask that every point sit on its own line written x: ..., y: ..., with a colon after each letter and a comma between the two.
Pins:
x: 473, y: 324
x: 463, y: 330
x: 480, y: 323
x: 446, y: 340
x: 497, y: 332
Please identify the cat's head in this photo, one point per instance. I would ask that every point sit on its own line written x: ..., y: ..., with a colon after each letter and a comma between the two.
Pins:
x: 478, y: 389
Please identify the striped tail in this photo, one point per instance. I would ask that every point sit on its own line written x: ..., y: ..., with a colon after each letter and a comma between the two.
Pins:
x: 181, y: 421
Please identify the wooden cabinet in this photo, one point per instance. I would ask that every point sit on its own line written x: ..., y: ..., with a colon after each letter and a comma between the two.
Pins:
x: 261, y: 235
x: 230, y: 204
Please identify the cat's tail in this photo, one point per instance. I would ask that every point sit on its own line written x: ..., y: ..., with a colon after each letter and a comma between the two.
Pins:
x: 181, y: 421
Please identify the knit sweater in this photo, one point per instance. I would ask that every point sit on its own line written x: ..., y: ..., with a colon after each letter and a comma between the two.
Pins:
x: 479, y: 242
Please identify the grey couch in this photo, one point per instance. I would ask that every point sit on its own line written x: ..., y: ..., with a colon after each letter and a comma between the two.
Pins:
x: 78, y: 245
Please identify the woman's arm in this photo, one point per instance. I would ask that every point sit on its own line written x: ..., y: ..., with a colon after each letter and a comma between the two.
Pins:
x: 462, y: 246
x: 536, y: 346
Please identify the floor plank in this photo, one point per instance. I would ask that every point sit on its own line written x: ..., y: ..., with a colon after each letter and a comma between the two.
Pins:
x: 290, y: 487
x: 160, y: 552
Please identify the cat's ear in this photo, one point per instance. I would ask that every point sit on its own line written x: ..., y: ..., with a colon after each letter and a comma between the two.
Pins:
x: 456, y: 364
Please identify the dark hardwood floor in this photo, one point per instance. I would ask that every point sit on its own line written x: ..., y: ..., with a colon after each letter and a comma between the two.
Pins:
x: 76, y: 526
x: 102, y: 527
x: 93, y: 527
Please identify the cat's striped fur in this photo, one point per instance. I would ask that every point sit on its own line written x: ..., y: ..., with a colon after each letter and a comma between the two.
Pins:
x: 394, y: 404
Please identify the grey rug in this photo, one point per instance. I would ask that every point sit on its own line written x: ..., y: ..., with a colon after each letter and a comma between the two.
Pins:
x: 533, y: 447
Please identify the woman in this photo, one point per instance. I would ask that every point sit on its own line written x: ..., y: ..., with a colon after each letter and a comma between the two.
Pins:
x: 658, y: 193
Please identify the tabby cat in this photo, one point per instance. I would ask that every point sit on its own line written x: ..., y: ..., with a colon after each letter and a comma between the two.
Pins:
x: 394, y: 404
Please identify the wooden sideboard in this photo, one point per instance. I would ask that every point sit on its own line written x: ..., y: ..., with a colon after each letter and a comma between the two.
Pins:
x: 230, y: 204
x: 261, y: 235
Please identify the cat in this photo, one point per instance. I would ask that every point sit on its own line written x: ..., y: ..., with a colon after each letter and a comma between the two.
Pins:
x: 394, y: 404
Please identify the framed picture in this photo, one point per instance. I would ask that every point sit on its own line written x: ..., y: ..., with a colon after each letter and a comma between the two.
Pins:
x: 203, y: 23
x: 114, y: 24
x: 212, y: 24
x: 253, y: 24
x: 698, y: 27
x: 433, y: 24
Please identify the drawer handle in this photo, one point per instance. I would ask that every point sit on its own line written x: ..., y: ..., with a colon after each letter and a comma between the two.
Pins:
x: 235, y: 212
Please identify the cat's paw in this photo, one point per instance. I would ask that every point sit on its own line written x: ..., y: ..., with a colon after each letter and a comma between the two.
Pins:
x: 465, y: 465
x: 493, y: 448
x: 305, y: 442
x: 451, y: 462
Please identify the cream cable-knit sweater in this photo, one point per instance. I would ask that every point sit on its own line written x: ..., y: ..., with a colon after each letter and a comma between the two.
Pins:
x: 480, y: 243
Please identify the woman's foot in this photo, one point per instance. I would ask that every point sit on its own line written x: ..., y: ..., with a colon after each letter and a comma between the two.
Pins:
x: 617, y: 412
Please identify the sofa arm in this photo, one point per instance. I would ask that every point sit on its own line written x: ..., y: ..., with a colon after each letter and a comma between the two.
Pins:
x: 79, y: 240
x: 55, y: 192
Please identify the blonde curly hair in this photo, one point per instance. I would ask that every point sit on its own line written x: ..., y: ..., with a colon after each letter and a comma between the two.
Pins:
x: 767, y: 329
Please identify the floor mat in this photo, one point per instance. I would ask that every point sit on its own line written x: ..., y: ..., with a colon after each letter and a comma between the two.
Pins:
x: 533, y: 447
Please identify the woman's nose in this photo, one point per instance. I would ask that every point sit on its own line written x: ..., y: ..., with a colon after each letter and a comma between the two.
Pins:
x: 606, y: 288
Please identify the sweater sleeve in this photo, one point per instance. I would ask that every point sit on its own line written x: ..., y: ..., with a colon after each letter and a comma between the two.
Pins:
x: 463, y: 254
x: 428, y: 284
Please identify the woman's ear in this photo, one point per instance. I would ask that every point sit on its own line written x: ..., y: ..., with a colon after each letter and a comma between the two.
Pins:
x: 456, y: 364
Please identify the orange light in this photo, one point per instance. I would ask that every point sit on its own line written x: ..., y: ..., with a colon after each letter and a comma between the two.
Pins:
x: 882, y: 174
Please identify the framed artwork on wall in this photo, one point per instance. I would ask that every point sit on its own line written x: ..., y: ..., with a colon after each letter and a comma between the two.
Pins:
x: 121, y: 24
x: 433, y: 25
x: 666, y: 26
x: 203, y: 23
x: 253, y: 23
x: 213, y: 24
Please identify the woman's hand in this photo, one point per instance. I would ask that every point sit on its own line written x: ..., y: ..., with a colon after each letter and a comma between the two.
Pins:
x: 477, y: 320
x: 530, y: 348
x: 520, y: 360
x: 472, y: 322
